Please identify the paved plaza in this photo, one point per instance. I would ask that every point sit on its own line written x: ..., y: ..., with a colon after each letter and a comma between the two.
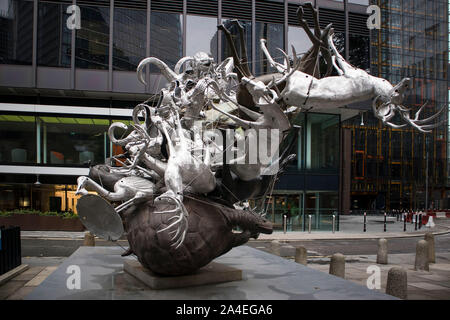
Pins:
x: 434, y: 284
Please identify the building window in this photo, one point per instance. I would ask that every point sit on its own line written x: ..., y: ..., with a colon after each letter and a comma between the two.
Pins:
x: 74, y: 141
x: 273, y: 33
x: 359, y: 55
x: 226, y: 50
x: 166, y: 38
x: 298, y: 39
x: 92, y: 40
x: 130, y: 38
x: 16, y: 32
x: 54, y: 38
x: 322, y: 145
x: 18, y: 137
x: 201, y: 35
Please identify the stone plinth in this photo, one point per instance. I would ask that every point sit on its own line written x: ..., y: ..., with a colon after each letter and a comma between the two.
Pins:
x: 209, y: 274
x: 264, y: 277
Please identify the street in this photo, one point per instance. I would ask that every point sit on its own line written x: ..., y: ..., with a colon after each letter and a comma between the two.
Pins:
x: 65, y: 247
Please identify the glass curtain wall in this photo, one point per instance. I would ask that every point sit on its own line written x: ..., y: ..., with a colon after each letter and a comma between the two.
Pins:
x: 18, y: 139
x: 43, y: 197
x: 65, y: 141
x: 317, y: 153
x: 412, y: 42
x: 92, y: 40
x: 130, y: 38
x: 274, y: 34
x: 79, y: 141
x: 226, y: 50
x: 201, y: 35
x: 166, y: 38
x: 16, y: 32
x: 54, y: 38
x: 298, y: 39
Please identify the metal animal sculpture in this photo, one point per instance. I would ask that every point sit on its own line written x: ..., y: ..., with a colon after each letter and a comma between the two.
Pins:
x: 176, y: 189
x: 352, y: 85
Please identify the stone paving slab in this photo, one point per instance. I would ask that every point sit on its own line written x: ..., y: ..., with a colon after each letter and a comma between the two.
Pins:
x: 10, y: 287
x: 13, y: 273
x: 422, y: 285
x: 265, y: 277
x: 40, y: 277
x: 20, y: 293
x: 29, y: 274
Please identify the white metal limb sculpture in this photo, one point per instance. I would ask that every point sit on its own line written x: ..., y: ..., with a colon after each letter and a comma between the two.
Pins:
x: 352, y: 85
x: 131, y: 189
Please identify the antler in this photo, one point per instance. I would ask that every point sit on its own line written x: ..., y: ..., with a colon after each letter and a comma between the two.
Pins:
x: 423, y: 125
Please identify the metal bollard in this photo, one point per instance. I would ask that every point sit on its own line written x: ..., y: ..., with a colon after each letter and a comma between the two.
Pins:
x: 420, y: 221
x: 309, y: 223
x: 415, y: 222
x: 384, y: 222
x: 284, y: 223
x: 404, y: 223
x: 365, y: 221
x: 334, y: 223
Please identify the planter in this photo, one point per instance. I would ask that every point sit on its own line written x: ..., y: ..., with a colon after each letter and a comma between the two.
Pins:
x: 35, y: 222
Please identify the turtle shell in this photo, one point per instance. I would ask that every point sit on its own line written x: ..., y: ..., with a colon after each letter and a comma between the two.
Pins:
x: 209, y: 235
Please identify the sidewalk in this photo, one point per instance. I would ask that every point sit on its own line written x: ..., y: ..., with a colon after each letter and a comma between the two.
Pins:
x: 351, y: 227
x: 422, y: 285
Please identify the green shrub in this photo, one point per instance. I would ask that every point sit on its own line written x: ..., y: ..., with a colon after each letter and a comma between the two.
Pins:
x: 64, y: 215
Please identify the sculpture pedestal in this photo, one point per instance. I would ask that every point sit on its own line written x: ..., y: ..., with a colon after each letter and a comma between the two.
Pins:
x: 209, y: 274
x: 264, y: 277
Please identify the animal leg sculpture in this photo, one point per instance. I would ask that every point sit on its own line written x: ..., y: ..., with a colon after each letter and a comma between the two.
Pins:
x: 85, y: 184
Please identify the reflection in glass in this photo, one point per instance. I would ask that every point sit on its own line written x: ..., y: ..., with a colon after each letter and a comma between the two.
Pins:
x: 166, y: 38
x: 74, y: 140
x: 130, y: 38
x: 54, y: 38
x: 16, y: 32
x: 297, y: 37
x: 18, y: 139
x: 201, y: 35
x: 322, y: 141
x: 226, y: 50
x: 92, y: 40
x: 273, y: 33
x: 321, y: 206
x: 43, y: 198
x: 359, y: 55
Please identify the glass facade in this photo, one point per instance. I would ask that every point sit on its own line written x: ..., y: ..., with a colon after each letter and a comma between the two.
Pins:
x: 60, y: 141
x: 92, y: 40
x: 310, y: 185
x: 54, y: 38
x: 166, y: 38
x: 226, y: 50
x: 73, y: 140
x: 409, y: 44
x: 130, y: 38
x: 44, y: 197
x: 273, y: 33
x: 18, y: 137
x: 16, y: 32
x: 389, y: 165
x: 201, y: 35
